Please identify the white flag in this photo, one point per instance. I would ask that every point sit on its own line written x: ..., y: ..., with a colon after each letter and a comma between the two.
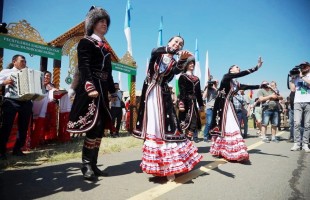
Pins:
x: 197, y: 71
x: 207, y: 70
x: 127, y: 27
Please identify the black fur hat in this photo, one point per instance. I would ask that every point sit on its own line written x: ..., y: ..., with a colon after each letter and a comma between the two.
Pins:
x: 188, y: 60
x: 93, y: 16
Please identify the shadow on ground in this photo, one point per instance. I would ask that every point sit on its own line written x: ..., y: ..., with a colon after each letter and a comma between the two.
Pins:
x: 26, y: 184
x: 40, y: 182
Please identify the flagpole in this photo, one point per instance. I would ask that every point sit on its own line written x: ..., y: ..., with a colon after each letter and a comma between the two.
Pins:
x: 128, y: 36
x: 207, y: 70
x: 160, y: 33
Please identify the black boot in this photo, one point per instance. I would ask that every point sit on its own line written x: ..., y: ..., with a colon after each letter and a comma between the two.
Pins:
x: 87, y: 170
x: 94, y: 167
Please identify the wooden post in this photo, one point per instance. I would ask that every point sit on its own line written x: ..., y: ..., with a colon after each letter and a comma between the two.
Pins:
x: 43, y: 64
x: 56, y: 73
x: 133, y: 104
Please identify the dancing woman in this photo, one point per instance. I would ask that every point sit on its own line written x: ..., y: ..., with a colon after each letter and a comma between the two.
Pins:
x: 227, y: 140
x: 190, y: 94
x: 166, y: 150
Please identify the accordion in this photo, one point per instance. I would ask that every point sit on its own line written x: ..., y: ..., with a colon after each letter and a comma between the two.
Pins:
x: 28, y: 85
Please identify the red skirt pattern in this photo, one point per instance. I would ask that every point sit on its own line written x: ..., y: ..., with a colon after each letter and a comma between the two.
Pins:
x: 162, y: 158
x: 232, y: 147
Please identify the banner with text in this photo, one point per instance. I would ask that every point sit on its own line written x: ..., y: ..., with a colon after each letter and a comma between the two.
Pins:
x: 17, y: 44
x: 124, y: 68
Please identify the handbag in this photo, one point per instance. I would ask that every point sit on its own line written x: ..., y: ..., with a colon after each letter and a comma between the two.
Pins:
x: 203, y: 117
x: 122, y: 102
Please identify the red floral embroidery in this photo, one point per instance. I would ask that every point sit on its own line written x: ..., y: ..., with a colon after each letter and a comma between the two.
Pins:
x: 84, y: 120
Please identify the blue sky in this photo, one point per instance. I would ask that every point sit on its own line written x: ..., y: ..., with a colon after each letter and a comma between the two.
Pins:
x: 232, y: 31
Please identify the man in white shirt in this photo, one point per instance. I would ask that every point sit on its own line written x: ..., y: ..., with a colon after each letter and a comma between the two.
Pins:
x: 10, y: 107
x: 301, y: 86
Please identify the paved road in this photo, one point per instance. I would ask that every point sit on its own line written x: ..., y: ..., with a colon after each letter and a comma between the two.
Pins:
x: 274, y: 172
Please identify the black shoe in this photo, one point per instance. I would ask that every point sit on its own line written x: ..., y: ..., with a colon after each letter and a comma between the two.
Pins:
x: 115, y: 135
x: 291, y: 139
x: 18, y: 153
x: 98, y: 172
x: 87, y: 171
x: 196, y: 140
x: 3, y: 156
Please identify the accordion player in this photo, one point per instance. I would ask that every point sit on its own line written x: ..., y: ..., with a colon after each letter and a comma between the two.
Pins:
x: 28, y: 85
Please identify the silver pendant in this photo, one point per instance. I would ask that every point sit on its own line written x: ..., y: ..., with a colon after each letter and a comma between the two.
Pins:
x: 166, y: 59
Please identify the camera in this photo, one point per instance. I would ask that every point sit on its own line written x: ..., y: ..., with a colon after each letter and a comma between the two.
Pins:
x: 211, y: 83
x: 295, y: 71
x: 264, y: 86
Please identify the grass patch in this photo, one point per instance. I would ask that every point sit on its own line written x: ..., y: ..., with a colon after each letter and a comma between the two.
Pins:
x: 59, y: 152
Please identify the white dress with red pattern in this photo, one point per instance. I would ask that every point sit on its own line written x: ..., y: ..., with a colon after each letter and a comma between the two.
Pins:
x: 227, y: 140
x: 231, y: 146
x: 162, y: 158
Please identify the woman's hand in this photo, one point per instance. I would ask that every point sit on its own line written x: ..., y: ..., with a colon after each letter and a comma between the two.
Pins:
x: 71, y: 92
x: 259, y: 63
x: 184, y: 54
x: 93, y: 94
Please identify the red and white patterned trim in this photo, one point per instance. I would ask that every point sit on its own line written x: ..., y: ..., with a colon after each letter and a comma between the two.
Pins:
x: 181, y: 105
x: 98, y: 142
x: 162, y: 158
x: 89, y: 143
x: 89, y: 86
x: 232, y: 147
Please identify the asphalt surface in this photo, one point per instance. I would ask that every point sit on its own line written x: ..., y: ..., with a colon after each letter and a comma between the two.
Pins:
x: 274, y: 172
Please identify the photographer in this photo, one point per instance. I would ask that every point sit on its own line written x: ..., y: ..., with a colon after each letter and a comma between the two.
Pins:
x: 301, y: 86
x: 209, y: 96
x: 270, y: 110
